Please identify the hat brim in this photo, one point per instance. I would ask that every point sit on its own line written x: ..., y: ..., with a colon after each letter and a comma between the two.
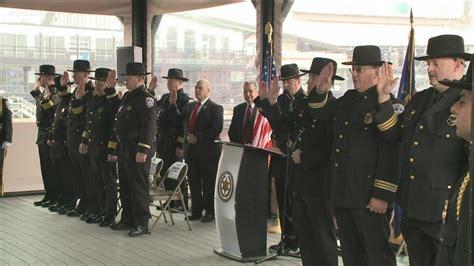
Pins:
x: 457, y: 84
x: 292, y: 77
x: 75, y: 70
x: 369, y: 63
x: 101, y: 79
x: 48, y: 74
x: 465, y: 56
x: 335, y: 77
x: 183, y: 79
x: 135, y: 74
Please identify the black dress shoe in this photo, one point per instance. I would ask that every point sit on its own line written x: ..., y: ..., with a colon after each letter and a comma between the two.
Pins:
x: 92, y: 219
x: 65, y: 210
x: 194, y: 217
x: 106, y: 222
x: 208, y: 217
x: 138, y: 231
x: 55, y: 207
x: 74, y: 213
x: 48, y: 203
x: 40, y: 202
x: 120, y: 226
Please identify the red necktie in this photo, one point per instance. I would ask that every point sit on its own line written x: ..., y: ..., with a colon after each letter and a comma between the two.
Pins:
x: 246, y: 124
x: 192, y: 122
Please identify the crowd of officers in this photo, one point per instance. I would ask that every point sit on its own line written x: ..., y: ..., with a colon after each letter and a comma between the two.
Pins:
x: 350, y: 157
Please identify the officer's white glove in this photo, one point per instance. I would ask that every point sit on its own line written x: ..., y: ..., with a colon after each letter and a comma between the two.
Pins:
x: 6, y: 144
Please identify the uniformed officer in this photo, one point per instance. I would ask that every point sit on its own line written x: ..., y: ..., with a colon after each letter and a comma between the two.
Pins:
x: 363, y: 160
x: 45, y: 106
x: 432, y: 155
x: 6, y: 132
x: 456, y: 234
x: 309, y: 181
x: 290, y: 76
x: 170, y: 132
x: 77, y: 111
x: 135, y: 130
x: 59, y: 151
x: 99, y: 127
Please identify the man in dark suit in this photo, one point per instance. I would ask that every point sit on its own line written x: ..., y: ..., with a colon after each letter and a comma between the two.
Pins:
x: 170, y: 131
x: 292, y: 93
x: 309, y: 180
x: 243, y: 118
x: 204, y: 123
x: 456, y: 235
x: 432, y: 155
x: 6, y: 133
x: 45, y: 103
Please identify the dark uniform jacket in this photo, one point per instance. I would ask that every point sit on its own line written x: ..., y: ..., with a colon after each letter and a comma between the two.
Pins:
x: 313, y: 136
x: 170, y: 132
x: 77, y: 116
x: 135, y: 125
x: 286, y: 103
x: 432, y: 155
x: 208, y: 127
x: 58, y: 134
x: 6, y: 127
x: 100, y: 124
x: 236, y: 128
x: 456, y: 234
x: 363, y: 159
x: 45, y: 108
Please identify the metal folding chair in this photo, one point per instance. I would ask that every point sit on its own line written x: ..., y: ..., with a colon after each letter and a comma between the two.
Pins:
x: 162, y: 197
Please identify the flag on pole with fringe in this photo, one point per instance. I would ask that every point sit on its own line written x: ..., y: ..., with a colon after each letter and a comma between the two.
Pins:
x: 407, y: 81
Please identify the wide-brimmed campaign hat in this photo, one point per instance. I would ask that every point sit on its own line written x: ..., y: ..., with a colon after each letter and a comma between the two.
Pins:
x: 175, y: 73
x: 101, y: 74
x: 290, y: 71
x: 81, y: 66
x: 135, y: 69
x: 366, y: 55
x: 465, y: 83
x: 445, y: 46
x: 47, y: 70
x: 319, y: 63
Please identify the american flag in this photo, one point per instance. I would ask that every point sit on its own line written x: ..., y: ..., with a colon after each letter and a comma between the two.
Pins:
x: 262, y: 132
x: 269, y: 63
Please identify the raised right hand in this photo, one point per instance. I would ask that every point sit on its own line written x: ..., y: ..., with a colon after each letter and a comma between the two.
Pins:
x: 65, y: 78
x: 111, y: 79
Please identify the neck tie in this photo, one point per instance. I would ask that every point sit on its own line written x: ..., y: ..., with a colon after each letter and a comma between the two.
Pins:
x: 245, y: 132
x: 192, y: 122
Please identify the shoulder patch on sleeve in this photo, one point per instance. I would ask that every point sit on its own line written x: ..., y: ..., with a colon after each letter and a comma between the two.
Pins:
x: 150, y: 102
x: 398, y: 108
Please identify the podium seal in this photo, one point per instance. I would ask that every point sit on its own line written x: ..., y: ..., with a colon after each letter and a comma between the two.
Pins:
x: 226, y: 186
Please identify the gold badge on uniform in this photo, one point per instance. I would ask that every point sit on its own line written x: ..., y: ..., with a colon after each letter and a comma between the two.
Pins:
x: 129, y: 108
x: 411, y: 114
x: 368, y: 118
x: 301, y: 113
x: 101, y: 110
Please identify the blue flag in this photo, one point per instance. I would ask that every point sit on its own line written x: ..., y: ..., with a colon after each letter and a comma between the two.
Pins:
x: 407, y: 81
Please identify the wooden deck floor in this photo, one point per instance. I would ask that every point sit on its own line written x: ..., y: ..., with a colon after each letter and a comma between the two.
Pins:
x: 34, y: 236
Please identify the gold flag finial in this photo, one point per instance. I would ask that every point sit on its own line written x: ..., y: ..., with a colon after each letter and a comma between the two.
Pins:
x: 269, y: 31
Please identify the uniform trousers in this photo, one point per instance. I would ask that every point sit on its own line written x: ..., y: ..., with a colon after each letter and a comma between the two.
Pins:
x: 135, y: 191
x: 364, y: 237
x: 315, y: 230
x: 422, y: 240
x: 47, y: 172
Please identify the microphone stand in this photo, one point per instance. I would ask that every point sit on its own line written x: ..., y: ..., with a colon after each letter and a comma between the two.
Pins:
x: 290, y: 148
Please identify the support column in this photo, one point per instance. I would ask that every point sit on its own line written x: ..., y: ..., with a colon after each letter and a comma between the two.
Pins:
x: 139, y: 26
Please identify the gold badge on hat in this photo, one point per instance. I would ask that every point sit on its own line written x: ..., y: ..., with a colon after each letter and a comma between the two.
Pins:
x: 368, y: 118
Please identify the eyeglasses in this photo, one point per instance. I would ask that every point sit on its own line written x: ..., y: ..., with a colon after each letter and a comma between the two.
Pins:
x: 359, y: 69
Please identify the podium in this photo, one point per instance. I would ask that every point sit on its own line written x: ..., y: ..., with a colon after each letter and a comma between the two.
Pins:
x: 241, y: 202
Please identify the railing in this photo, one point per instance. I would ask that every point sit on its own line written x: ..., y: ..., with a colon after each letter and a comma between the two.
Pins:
x: 21, y: 108
x: 22, y: 52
